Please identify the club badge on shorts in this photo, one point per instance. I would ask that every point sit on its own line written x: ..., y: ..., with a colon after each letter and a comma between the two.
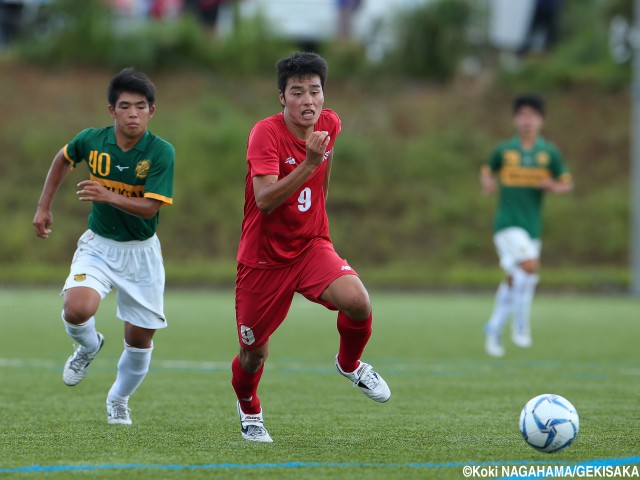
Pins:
x: 248, y: 338
x: 80, y: 277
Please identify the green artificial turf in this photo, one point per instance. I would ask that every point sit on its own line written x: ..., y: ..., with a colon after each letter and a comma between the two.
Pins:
x: 451, y: 404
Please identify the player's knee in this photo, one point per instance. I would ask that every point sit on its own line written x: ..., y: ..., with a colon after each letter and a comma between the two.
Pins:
x: 77, y: 313
x: 252, y: 360
x: 358, y: 307
x: 137, y: 337
x: 530, y: 266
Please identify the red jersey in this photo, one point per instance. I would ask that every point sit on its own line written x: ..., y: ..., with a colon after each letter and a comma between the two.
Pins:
x: 272, y: 240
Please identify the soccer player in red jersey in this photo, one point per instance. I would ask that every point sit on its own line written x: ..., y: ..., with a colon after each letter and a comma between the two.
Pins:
x: 285, y: 245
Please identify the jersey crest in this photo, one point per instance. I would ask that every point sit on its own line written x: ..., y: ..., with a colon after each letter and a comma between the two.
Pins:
x: 543, y: 159
x: 142, y: 168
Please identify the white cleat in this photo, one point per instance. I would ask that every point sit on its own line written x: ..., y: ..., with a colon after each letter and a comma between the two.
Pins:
x: 253, y: 427
x: 76, y: 367
x: 368, y: 381
x: 118, y: 413
x: 493, y: 345
x: 522, y: 340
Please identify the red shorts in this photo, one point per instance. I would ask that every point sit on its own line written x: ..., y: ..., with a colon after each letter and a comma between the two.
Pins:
x: 264, y: 296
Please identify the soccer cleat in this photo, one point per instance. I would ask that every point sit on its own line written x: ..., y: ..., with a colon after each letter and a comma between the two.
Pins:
x: 252, y: 427
x: 118, y: 413
x: 76, y: 367
x: 521, y: 339
x: 493, y: 345
x: 368, y: 381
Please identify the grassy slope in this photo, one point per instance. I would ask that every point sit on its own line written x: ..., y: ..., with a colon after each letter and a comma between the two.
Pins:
x: 450, y: 402
x: 404, y: 205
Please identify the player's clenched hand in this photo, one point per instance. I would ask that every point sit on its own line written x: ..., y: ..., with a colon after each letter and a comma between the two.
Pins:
x: 91, y: 191
x: 316, y: 147
x: 488, y: 184
x: 41, y: 223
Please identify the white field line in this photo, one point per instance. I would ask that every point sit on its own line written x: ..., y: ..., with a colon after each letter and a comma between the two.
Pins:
x: 398, y: 367
x: 163, y: 364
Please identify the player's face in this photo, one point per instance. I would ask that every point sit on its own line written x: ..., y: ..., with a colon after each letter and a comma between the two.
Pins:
x: 302, y: 100
x: 528, y: 121
x: 131, y: 113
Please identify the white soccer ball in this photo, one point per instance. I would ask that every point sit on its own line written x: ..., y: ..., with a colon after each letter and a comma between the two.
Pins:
x: 549, y: 423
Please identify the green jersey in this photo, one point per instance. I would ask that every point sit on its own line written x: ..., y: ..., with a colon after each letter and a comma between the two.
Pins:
x: 144, y: 171
x: 520, y: 172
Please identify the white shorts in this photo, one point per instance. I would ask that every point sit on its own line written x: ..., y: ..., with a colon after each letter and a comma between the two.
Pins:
x: 514, y: 246
x: 134, y: 268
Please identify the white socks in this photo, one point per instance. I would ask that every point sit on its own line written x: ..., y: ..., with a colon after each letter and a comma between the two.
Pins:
x: 132, y: 368
x: 84, y: 334
x: 501, y: 309
x: 516, y: 299
x: 523, y: 290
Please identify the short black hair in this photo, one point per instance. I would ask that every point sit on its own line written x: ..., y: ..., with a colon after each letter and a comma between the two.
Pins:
x: 133, y: 81
x: 301, y: 65
x: 528, y: 100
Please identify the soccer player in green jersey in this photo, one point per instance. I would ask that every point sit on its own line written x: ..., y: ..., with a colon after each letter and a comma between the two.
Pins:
x: 130, y: 178
x: 526, y: 167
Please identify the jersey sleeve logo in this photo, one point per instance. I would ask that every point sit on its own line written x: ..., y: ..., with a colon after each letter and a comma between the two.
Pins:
x: 142, y: 168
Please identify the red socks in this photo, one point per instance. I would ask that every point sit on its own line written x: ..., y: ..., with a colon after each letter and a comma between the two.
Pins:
x: 354, y: 335
x: 246, y: 386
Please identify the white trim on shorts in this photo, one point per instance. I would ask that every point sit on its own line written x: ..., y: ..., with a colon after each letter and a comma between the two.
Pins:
x: 514, y: 246
x: 134, y: 268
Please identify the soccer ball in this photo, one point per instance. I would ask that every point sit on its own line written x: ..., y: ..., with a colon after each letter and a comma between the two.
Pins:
x: 549, y: 423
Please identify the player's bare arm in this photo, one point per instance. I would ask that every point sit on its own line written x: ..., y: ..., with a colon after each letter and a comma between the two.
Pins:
x: 555, y: 186
x: 327, y: 177
x: 270, y: 193
x: 43, y: 218
x: 488, y: 182
x: 92, y: 191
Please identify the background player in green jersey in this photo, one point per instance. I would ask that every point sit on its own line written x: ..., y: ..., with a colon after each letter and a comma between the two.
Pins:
x: 130, y: 178
x: 526, y: 166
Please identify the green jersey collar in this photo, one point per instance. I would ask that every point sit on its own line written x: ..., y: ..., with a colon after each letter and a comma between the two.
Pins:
x: 141, y: 146
x: 539, y: 143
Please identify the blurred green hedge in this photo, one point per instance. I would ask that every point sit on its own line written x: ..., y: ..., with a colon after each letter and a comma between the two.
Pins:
x: 404, y: 203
